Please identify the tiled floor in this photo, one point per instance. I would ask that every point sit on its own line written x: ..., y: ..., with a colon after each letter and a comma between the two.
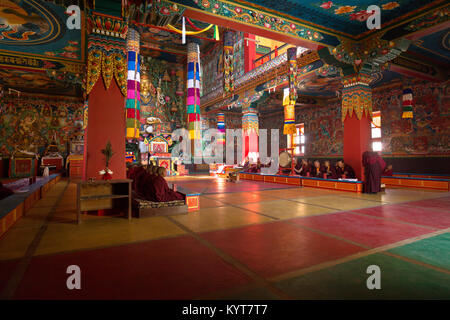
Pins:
x: 249, y: 240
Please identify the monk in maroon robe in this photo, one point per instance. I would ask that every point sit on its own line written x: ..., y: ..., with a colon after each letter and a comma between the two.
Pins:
x: 388, y: 171
x: 162, y: 191
x: 255, y: 168
x: 5, y: 192
x: 316, y: 170
x: 345, y: 169
x: 138, y: 177
x: 373, y: 169
x: 303, y: 168
x: 329, y: 170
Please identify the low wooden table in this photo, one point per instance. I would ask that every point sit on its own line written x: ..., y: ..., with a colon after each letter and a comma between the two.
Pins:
x: 103, y: 194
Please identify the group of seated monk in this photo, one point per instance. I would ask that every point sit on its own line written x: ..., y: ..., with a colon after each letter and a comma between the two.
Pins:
x: 306, y: 168
x: 149, y: 184
x: 254, y: 167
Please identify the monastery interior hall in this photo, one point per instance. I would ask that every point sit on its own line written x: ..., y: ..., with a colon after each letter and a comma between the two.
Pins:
x: 224, y: 150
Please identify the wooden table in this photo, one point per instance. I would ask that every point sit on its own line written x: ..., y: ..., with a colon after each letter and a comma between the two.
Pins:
x: 103, y: 194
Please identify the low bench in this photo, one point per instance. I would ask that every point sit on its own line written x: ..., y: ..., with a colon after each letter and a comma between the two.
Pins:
x: 15, y: 206
x: 417, y: 182
x: 334, y: 184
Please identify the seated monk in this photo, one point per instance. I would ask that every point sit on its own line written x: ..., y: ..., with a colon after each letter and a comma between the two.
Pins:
x: 139, y: 174
x: 246, y: 164
x: 162, y: 191
x: 143, y: 179
x: 344, y: 169
x: 329, y: 170
x: 5, y: 192
x: 316, y: 170
x: 302, y: 168
x: 388, y: 171
x: 256, y: 167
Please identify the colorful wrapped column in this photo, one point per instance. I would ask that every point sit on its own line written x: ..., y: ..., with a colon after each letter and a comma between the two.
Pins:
x: 407, y: 104
x: 250, y: 128
x: 193, y: 91
x: 291, y: 98
x: 133, y: 90
x: 221, y: 127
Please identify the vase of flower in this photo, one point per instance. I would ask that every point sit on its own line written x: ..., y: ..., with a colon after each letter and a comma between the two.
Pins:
x: 108, y: 153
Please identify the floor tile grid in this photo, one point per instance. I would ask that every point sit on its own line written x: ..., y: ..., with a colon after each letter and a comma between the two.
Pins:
x: 21, y: 267
x: 259, y: 281
x: 358, y: 255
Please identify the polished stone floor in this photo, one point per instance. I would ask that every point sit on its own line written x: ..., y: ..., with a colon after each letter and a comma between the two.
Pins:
x: 249, y: 240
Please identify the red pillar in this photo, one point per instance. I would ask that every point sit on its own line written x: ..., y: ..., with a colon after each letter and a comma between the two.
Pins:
x: 356, y: 142
x: 249, y: 51
x: 106, y: 122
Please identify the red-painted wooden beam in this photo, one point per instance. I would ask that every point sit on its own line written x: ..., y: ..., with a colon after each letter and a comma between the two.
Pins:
x: 238, y: 26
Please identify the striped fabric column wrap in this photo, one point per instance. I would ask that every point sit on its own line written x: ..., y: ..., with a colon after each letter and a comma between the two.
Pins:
x: 133, y: 108
x: 193, y: 91
x: 221, y: 127
x: 289, y: 108
x: 250, y: 121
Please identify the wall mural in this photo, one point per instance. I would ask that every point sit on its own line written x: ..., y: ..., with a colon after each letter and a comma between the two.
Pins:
x: 212, y: 65
x: 31, y: 123
x: 38, y: 27
x: 428, y: 132
x: 162, y: 94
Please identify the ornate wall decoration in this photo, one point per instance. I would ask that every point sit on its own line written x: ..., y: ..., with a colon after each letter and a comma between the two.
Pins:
x: 228, y: 61
x: 39, y: 27
x: 106, y: 51
x: 250, y: 121
x: 433, y: 18
x: 357, y: 96
x: 32, y: 122
x: 258, y: 18
x: 373, y: 52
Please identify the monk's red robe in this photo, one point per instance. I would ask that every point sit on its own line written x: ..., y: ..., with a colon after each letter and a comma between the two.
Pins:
x: 147, y: 190
x: 348, y: 171
x: 373, y: 168
x: 162, y: 191
x: 316, y: 172
x: 329, y: 171
x: 387, y: 172
x: 141, y: 174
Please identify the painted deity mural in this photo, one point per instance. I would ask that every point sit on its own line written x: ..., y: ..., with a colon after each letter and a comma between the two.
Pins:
x: 32, y: 123
x: 428, y: 132
x: 324, y: 132
x: 162, y: 95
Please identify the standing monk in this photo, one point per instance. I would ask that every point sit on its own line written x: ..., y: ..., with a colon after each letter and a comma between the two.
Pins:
x: 373, y: 169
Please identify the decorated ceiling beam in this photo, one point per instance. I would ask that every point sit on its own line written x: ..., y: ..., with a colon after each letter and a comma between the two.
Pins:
x: 248, y: 19
x: 256, y: 78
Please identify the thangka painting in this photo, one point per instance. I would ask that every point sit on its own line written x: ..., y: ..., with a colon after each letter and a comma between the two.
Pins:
x: 31, y: 124
x: 40, y: 28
